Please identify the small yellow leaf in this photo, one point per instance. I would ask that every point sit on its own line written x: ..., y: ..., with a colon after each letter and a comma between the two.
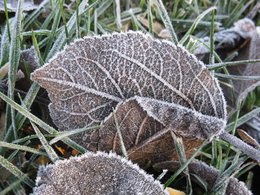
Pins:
x: 60, y: 149
x: 172, y: 191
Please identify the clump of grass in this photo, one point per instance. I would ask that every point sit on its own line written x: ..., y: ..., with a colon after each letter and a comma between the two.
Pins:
x: 54, y: 24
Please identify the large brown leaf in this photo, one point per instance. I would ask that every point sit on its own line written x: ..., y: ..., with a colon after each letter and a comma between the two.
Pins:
x: 170, y: 90
x: 168, y: 85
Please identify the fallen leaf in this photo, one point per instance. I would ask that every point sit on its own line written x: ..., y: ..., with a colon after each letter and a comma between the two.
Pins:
x: 95, y: 74
x: 253, y: 128
x: 250, y: 51
x: 98, y: 174
x: 228, y: 39
x: 209, y: 175
x: 172, y: 191
x: 157, y: 27
x: 175, y: 93
x: 164, y: 34
x: 247, y: 50
x: 247, y: 138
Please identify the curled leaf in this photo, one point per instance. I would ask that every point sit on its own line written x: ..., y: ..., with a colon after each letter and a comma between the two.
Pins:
x: 247, y: 138
x: 99, y: 173
x: 146, y: 139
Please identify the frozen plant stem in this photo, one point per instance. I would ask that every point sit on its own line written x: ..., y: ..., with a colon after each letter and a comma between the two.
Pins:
x: 242, y: 146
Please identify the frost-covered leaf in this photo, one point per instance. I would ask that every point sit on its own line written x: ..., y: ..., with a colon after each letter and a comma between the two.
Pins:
x: 28, y: 5
x: 146, y: 140
x: 227, y: 39
x: 249, y: 50
x: 99, y: 173
x: 209, y: 175
x: 91, y: 76
x: 172, y: 88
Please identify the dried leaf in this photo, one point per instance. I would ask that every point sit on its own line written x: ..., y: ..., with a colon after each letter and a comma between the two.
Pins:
x: 208, y: 174
x: 99, y: 173
x: 98, y: 72
x: 147, y: 141
x: 157, y: 27
x: 247, y: 138
x: 164, y: 34
x: 175, y: 93
x: 251, y: 50
x: 172, y: 191
x: 227, y: 39
x: 253, y: 128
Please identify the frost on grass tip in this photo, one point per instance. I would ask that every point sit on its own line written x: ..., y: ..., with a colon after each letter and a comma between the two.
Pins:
x: 99, y: 173
x: 164, y: 86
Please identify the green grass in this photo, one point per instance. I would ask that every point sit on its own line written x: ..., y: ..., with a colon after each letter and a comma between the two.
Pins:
x: 50, y: 27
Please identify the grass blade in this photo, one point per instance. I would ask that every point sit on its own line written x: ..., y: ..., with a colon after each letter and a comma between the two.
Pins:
x: 166, y: 20
x: 5, y: 44
x: 21, y: 147
x: 29, y: 137
x: 7, y: 21
x: 237, y: 77
x: 118, y: 15
x: 237, y: 11
x: 54, y: 28
x: 119, y: 134
x: 14, y: 58
x: 211, y: 54
x: 185, y: 165
x: 13, y: 185
x: 39, y: 122
x: 178, y: 143
x: 234, y: 63
x: 150, y: 17
x: 64, y: 20
x: 15, y: 171
x: 36, y: 47
x: 61, y: 39
x: 65, y: 134
x: 242, y: 119
x: 195, y: 23
x: 50, y: 151
x: 34, y: 14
